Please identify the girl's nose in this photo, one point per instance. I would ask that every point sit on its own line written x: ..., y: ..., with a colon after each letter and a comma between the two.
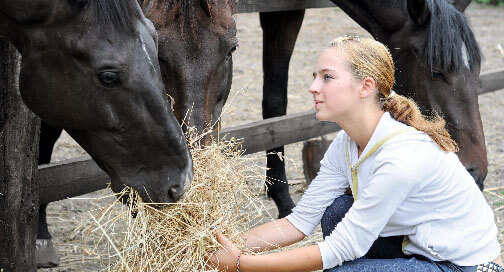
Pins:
x: 314, y: 88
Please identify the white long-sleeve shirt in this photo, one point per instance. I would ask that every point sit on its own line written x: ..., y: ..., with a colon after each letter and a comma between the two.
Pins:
x: 410, y: 187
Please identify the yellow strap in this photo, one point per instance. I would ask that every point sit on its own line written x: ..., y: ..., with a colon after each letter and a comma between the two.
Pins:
x: 404, y: 244
x: 371, y: 151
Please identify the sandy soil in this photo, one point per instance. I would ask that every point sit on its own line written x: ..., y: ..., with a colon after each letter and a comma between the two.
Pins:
x: 320, y: 26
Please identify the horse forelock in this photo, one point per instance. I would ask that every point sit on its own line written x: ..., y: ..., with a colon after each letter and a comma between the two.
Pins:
x: 449, y: 43
x: 184, y: 13
x: 114, y: 14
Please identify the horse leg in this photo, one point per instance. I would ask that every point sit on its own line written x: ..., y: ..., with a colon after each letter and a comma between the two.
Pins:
x: 45, y: 252
x: 280, y: 30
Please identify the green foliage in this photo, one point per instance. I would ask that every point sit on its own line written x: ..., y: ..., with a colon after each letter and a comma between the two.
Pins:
x: 491, y: 2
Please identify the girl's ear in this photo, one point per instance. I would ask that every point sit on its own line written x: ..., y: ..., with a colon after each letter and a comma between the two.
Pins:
x: 368, y: 86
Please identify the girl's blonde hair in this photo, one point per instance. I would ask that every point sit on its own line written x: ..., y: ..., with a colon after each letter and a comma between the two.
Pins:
x: 370, y: 58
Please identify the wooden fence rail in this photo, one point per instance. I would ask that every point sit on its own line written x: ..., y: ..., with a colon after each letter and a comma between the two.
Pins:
x: 491, y: 81
x: 81, y: 175
x: 247, y: 6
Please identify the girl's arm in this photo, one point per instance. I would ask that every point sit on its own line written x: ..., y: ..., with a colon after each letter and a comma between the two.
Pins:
x: 275, y: 234
x: 329, y: 184
x: 300, y: 259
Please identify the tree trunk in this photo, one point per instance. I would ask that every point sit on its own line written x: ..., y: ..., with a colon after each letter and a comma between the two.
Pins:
x: 19, y: 134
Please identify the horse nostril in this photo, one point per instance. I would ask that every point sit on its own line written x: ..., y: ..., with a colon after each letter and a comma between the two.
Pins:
x: 478, y: 176
x: 174, y: 189
x: 176, y: 192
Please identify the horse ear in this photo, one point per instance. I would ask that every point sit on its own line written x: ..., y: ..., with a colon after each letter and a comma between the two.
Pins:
x: 419, y: 11
x: 78, y: 3
x: 205, y: 4
x: 461, y: 5
x: 210, y: 6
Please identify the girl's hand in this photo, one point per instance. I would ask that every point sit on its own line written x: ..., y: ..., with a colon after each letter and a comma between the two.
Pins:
x: 225, y: 258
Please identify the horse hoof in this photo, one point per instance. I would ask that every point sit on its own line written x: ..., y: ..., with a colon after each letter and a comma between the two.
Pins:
x: 45, y: 254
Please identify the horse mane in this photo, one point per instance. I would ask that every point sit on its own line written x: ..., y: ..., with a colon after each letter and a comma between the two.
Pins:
x: 183, y: 13
x: 185, y: 8
x: 446, y: 33
x: 114, y: 14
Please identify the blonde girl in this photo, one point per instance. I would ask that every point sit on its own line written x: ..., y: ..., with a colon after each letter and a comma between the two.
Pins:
x: 414, y: 207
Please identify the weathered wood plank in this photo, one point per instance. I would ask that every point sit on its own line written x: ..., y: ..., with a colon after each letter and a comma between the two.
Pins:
x: 70, y: 178
x: 81, y: 175
x: 491, y: 81
x: 19, y: 135
x: 248, y: 6
x: 279, y: 131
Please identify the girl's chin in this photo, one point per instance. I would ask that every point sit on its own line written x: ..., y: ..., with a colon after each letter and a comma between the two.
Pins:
x: 320, y: 116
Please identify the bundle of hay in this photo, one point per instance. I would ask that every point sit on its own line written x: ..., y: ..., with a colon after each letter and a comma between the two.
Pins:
x: 223, y: 198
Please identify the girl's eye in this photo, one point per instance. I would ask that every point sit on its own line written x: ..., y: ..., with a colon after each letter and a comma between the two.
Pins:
x: 327, y: 77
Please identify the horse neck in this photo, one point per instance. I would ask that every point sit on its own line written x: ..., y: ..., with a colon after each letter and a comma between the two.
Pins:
x: 15, y: 14
x: 26, y: 11
x: 390, y: 17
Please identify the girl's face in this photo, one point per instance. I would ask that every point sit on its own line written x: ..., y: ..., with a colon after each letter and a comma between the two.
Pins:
x: 334, y: 88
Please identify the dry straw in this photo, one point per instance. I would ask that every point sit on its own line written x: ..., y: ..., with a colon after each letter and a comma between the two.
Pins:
x: 223, y: 197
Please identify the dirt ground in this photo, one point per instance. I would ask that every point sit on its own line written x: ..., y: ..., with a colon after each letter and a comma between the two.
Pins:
x: 320, y: 26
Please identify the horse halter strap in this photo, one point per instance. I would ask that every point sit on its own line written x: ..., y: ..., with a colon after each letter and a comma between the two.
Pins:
x: 371, y: 152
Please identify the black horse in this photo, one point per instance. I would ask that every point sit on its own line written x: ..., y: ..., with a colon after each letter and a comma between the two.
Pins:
x: 437, y: 64
x: 91, y: 67
x: 196, y: 39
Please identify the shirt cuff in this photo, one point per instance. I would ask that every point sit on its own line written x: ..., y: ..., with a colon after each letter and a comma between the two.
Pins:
x: 300, y: 224
x: 328, y: 259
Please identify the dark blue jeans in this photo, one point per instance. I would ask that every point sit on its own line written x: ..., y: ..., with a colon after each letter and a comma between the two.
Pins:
x: 386, y: 252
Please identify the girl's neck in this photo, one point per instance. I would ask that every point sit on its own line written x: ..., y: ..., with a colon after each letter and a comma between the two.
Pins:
x: 360, y: 128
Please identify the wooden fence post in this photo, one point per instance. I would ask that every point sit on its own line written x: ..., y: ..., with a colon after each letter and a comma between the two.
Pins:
x: 19, y: 134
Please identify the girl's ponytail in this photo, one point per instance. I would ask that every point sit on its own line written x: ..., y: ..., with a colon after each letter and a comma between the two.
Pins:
x: 406, y: 111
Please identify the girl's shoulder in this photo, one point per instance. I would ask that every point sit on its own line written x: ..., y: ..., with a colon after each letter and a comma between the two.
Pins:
x: 412, y: 141
x: 414, y: 151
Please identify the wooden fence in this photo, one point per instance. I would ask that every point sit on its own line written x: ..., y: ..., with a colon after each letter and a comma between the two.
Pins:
x: 81, y: 175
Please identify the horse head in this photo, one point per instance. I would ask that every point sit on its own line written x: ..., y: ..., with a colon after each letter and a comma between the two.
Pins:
x: 196, y: 42
x: 91, y: 67
x: 437, y: 64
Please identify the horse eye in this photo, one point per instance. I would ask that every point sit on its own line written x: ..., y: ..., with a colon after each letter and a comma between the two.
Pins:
x: 109, y: 79
x: 230, y: 53
x: 438, y: 75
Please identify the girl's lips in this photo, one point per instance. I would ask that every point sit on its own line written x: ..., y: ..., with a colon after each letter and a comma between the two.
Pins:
x: 318, y: 102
